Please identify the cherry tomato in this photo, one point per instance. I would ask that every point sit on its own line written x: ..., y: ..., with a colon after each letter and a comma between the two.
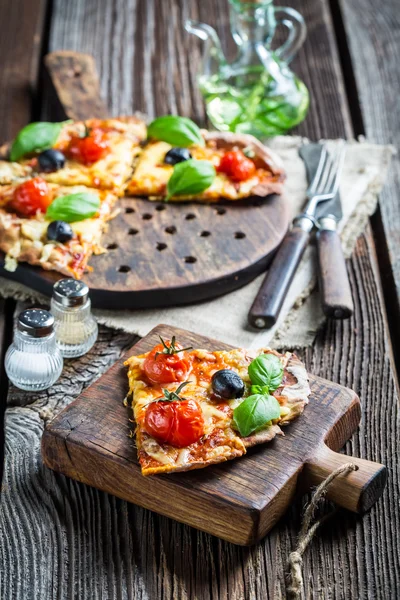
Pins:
x: 237, y: 166
x: 167, y: 368
x: 31, y: 196
x: 178, y: 423
x: 90, y: 148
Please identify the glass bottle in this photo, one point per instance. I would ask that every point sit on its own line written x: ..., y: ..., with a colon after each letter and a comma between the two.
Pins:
x: 76, y: 328
x: 257, y: 93
x: 33, y: 362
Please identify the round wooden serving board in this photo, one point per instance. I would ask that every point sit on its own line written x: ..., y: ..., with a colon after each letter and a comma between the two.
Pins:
x: 162, y: 254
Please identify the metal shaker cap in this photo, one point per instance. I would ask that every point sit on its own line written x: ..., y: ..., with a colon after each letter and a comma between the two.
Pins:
x: 70, y: 292
x: 36, y: 322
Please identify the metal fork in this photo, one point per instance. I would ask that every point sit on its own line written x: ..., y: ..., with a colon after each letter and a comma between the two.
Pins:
x: 324, y: 186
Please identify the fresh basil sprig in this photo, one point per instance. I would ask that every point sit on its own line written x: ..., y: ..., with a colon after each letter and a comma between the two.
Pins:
x: 255, y: 412
x: 35, y: 137
x: 178, y: 131
x: 190, y: 177
x: 74, y: 207
x: 266, y: 370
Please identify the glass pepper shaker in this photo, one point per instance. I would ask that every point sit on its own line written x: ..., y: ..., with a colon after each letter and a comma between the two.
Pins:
x: 33, y: 362
x: 76, y: 328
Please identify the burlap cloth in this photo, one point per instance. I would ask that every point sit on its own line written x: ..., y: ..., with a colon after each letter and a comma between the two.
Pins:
x: 225, y: 318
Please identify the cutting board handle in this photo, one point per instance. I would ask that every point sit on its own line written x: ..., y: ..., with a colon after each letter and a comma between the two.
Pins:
x: 358, y: 490
x: 75, y: 79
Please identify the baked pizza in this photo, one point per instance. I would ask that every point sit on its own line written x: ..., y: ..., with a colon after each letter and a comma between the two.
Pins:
x: 243, y: 167
x: 53, y: 244
x: 60, y: 181
x: 193, y: 408
x: 96, y: 153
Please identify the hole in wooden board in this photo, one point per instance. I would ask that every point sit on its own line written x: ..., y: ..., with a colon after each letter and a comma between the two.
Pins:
x: 147, y: 217
x: 239, y: 235
x: 190, y: 259
x: 170, y: 229
x: 129, y: 210
x: 205, y: 233
x: 257, y: 203
x: 124, y: 269
x: 190, y: 217
x: 220, y: 210
x: 112, y: 246
x: 133, y: 231
x: 77, y: 73
x: 160, y: 207
x: 161, y: 246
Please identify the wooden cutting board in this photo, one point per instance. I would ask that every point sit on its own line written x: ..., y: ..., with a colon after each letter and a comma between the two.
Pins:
x: 162, y: 254
x: 239, y: 500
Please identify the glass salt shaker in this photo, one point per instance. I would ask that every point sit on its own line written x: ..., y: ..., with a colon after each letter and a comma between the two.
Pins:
x: 33, y: 362
x: 76, y: 328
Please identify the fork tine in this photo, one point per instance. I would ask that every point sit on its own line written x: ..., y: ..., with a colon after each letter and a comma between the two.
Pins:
x: 325, y: 175
x: 339, y: 168
x: 320, y: 169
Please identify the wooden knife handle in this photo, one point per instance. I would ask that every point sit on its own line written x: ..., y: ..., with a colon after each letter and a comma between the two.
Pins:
x: 357, y: 491
x: 337, y: 302
x: 75, y: 79
x: 268, y: 302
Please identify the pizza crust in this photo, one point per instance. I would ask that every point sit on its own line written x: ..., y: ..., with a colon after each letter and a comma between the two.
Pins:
x: 151, y: 174
x: 221, y: 441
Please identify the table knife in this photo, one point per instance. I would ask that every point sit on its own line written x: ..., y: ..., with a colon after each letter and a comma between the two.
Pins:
x: 333, y: 281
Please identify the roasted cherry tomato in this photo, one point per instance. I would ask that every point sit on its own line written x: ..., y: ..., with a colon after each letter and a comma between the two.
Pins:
x: 30, y: 197
x: 178, y: 423
x: 237, y: 166
x: 90, y: 148
x: 166, y: 363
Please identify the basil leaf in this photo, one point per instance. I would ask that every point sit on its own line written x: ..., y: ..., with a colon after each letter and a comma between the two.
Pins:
x: 74, y: 207
x: 255, y: 412
x: 266, y: 370
x: 190, y: 177
x: 34, y: 137
x: 178, y: 131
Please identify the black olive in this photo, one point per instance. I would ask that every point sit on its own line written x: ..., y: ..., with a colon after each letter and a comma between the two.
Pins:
x: 227, y: 384
x: 177, y: 155
x: 60, y: 231
x: 51, y: 160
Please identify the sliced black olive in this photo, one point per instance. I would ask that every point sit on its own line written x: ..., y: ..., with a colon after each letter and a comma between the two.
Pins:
x: 177, y: 155
x: 60, y: 231
x: 51, y: 160
x: 227, y: 384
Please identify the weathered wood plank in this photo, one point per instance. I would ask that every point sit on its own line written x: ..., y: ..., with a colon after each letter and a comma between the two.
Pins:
x: 373, y: 37
x: 21, y: 29
x: 90, y: 545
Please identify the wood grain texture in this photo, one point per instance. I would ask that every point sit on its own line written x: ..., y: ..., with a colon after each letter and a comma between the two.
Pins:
x: 87, y: 544
x: 76, y: 83
x: 334, y: 286
x: 238, y: 501
x: 373, y: 39
x: 21, y: 35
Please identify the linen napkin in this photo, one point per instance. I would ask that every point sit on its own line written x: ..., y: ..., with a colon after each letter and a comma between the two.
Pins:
x: 225, y: 318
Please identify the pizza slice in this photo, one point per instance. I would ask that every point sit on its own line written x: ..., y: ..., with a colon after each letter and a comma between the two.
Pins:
x: 95, y: 153
x: 193, y: 408
x: 52, y: 226
x: 244, y: 167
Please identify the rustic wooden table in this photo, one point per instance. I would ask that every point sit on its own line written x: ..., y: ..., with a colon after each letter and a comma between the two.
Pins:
x: 60, y: 539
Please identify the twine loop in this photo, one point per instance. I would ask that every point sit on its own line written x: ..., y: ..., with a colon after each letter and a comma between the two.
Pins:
x: 307, y: 531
